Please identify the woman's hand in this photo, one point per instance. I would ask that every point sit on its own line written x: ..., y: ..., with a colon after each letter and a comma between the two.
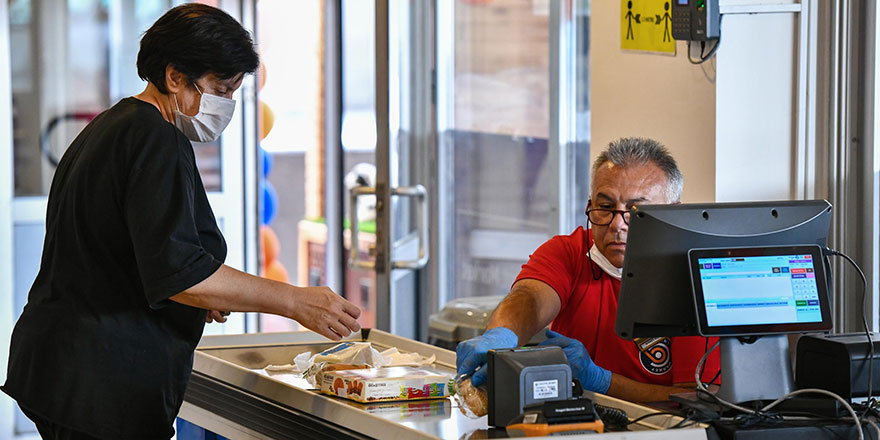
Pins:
x: 324, y: 312
x: 216, y: 315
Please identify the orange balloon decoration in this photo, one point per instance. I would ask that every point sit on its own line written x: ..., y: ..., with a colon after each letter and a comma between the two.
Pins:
x: 276, y: 271
x: 261, y: 76
x: 271, y: 245
x: 267, y: 120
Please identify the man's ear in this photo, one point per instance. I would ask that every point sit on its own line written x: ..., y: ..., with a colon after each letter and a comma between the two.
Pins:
x: 174, y: 80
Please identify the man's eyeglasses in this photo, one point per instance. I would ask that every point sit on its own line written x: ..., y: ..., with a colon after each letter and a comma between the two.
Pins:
x: 604, y: 217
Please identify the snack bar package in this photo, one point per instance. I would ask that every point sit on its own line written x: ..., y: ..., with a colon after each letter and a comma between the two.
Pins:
x: 385, y: 384
x: 336, y: 367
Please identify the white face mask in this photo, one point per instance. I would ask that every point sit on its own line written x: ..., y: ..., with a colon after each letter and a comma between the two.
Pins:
x: 603, y: 262
x: 214, y: 115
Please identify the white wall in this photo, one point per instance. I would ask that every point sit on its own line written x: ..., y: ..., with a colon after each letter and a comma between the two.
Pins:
x: 756, y: 107
x: 658, y: 96
x: 735, y: 134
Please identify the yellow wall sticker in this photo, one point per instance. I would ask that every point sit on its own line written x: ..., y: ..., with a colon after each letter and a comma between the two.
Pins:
x: 646, y: 25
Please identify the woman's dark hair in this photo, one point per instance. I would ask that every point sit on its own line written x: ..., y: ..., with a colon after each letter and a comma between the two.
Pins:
x: 195, y: 39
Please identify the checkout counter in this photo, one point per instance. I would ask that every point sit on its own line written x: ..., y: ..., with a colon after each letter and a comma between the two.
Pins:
x: 232, y: 394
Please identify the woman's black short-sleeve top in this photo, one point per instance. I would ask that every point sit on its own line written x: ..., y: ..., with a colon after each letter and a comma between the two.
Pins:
x: 100, y: 347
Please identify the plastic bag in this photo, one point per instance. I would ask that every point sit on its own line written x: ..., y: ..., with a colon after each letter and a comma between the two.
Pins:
x: 395, y: 358
x: 473, y: 401
x: 354, y: 355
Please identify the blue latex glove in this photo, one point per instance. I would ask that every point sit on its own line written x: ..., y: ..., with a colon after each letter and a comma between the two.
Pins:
x: 592, y: 376
x: 471, y: 354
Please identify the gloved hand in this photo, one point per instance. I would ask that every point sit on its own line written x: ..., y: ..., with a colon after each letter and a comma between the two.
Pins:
x: 592, y: 376
x: 471, y: 354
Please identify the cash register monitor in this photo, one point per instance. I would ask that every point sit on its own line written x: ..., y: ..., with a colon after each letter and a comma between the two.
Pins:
x: 656, y: 297
x: 758, y: 291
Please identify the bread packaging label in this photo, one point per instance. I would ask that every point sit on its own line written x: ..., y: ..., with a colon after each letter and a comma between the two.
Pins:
x: 385, y: 384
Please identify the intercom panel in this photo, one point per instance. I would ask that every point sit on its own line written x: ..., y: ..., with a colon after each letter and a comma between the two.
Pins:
x: 695, y: 20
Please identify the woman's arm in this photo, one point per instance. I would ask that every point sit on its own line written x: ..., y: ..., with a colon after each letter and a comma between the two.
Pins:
x: 316, y: 308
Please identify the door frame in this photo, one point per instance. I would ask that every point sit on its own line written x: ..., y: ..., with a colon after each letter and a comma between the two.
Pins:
x: 383, y: 168
x: 7, y: 418
x: 425, y: 166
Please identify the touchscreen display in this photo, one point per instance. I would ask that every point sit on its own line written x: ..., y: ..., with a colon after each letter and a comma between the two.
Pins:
x: 754, y: 290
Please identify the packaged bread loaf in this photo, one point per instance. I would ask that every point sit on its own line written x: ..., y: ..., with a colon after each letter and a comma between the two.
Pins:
x: 347, y: 352
x: 353, y: 355
x: 472, y: 401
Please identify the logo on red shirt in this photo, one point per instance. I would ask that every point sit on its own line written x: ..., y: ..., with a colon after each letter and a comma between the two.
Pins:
x: 657, y: 359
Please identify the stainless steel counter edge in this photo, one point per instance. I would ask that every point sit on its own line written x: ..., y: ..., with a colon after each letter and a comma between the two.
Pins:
x: 326, y: 408
x: 445, y: 357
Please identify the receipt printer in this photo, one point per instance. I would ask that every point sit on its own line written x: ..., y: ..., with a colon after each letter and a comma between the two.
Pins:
x: 562, y: 417
x: 837, y: 363
x: 519, y: 377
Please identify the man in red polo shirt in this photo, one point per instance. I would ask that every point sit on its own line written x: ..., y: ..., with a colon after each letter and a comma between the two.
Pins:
x: 573, y: 280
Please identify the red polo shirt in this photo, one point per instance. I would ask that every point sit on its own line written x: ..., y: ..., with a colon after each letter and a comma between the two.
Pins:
x: 589, y: 308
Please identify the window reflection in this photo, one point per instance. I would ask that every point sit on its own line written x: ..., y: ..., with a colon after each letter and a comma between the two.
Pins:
x: 499, y: 138
x: 70, y: 61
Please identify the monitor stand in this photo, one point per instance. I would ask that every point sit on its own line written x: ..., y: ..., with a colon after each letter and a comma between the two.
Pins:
x: 757, y: 371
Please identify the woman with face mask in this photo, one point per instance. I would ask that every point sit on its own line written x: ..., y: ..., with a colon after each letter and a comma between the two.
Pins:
x: 132, y: 263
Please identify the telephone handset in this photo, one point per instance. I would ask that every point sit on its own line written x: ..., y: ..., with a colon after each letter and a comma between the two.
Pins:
x: 695, y: 20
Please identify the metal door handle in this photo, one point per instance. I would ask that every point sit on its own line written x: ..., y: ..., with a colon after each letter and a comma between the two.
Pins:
x: 353, y: 252
x: 421, y: 194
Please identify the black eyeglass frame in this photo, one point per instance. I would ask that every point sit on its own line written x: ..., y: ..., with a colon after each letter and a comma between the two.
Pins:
x: 624, y: 214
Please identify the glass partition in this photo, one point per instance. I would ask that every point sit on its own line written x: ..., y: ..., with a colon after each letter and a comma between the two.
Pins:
x: 494, y: 107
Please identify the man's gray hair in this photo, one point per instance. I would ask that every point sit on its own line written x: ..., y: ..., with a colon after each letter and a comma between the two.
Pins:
x: 625, y: 152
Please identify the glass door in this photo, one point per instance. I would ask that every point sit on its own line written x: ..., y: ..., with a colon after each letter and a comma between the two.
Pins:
x: 513, y: 137
x: 399, y: 198
x: 481, y: 148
